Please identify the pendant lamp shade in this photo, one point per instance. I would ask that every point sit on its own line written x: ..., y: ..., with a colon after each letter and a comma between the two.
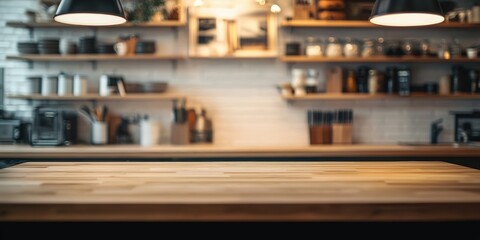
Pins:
x: 90, y: 12
x: 406, y: 13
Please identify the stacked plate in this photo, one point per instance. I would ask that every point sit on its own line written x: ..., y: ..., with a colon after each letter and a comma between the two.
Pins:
x: 87, y: 45
x: 145, y: 47
x: 105, y: 49
x: 49, y: 46
x: 27, y: 47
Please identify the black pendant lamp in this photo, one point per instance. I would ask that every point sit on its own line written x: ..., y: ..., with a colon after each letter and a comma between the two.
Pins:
x: 406, y: 13
x: 90, y: 12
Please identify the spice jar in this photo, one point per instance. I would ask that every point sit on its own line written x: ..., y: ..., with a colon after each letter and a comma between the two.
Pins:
x: 313, y: 47
x: 368, y: 49
x: 334, y: 48
x: 380, y: 47
x: 350, y: 49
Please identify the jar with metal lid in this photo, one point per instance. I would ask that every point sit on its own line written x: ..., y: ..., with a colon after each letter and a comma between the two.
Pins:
x: 380, y: 47
x: 334, y: 48
x: 368, y: 49
x: 350, y: 49
x: 313, y: 47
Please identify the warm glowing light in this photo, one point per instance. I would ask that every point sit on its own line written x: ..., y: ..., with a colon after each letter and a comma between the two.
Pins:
x: 90, y: 19
x: 198, y: 3
x: 407, y: 19
x: 275, y: 8
x: 261, y: 2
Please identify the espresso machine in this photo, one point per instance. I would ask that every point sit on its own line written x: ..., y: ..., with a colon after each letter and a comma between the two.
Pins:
x: 467, y: 126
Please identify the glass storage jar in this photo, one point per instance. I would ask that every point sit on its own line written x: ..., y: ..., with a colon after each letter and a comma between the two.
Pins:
x: 380, y: 47
x: 334, y: 48
x: 313, y: 47
x: 350, y: 49
x: 368, y: 49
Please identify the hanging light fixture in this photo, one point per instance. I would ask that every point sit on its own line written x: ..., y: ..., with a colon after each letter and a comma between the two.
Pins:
x: 90, y: 12
x: 406, y: 13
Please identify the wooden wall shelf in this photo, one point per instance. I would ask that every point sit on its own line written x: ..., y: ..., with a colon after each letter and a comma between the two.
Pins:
x: 363, y: 24
x: 95, y: 97
x: 379, y: 59
x: 232, y: 57
x: 126, y: 25
x: 358, y: 96
x: 91, y: 57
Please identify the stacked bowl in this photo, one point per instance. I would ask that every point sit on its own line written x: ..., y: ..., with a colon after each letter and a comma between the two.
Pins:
x: 87, y: 45
x: 27, y: 47
x: 49, y: 46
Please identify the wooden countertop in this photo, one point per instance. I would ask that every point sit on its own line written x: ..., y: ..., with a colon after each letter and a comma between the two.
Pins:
x: 330, y: 191
x: 206, y: 151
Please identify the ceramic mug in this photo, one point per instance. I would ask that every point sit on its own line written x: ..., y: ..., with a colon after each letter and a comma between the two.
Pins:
x: 472, y: 53
x: 121, y: 48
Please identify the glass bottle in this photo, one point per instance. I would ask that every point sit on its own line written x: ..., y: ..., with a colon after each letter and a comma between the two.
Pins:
x: 373, y: 81
x: 444, y: 50
x: 351, y: 82
x: 391, y: 80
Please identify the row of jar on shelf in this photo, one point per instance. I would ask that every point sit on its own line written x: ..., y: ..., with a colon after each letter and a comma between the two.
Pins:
x: 393, y: 80
x: 350, y: 47
x: 77, y: 85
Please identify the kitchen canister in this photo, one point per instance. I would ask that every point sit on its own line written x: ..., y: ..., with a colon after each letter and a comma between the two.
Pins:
x: 65, y: 85
x: 99, y: 133
x: 80, y: 85
x: 149, y: 132
x: 48, y: 85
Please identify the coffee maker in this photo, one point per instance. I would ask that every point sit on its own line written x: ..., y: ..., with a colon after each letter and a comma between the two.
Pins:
x: 467, y: 126
x: 54, y: 127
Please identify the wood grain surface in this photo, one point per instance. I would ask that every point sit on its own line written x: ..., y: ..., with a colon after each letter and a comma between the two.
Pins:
x: 208, y: 151
x: 329, y: 191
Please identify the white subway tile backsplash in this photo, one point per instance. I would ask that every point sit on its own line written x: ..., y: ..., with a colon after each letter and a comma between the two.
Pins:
x: 239, y: 95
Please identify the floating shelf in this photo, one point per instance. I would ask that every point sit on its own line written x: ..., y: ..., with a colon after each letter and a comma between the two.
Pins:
x: 364, y: 24
x: 95, y: 97
x: 232, y: 57
x: 358, y: 96
x: 379, y: 59
x: 126, y: 25
x: 91, y: 57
